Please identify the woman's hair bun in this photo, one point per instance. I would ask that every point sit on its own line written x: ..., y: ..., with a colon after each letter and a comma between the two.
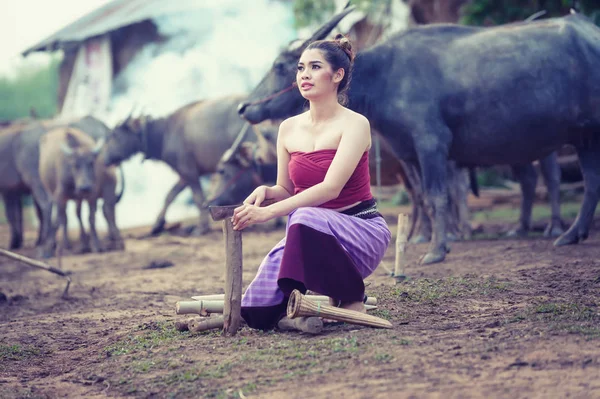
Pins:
x: 345, y: 45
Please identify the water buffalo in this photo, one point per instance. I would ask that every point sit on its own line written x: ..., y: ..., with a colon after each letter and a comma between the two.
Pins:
x: 479, y: 96
x: 12, y: 186
x: 191, y: 141
x: 245, y: 166
x: 19, y: 152
x: 69, y: 168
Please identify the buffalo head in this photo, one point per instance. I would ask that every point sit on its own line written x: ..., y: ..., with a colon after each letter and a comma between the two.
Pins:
x: 125, y: 140
x: 276, y: 97
x: 81, y: 161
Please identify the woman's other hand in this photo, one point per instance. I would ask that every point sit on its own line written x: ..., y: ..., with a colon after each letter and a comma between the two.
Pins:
x: 257, y: 197
x: 249, y: 214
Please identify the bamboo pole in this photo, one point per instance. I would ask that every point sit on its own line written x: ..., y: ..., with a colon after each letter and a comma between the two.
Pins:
x: 311, y: 325
x: 401, y: 240
x: 299, y: 306
x: 216, y: 306
x: 198, y: 307
x: 208, y: 323
x: 39, y: 265
x: 321, y: 298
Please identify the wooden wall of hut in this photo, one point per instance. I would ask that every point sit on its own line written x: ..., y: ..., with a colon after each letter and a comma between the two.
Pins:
x: 126, y: 42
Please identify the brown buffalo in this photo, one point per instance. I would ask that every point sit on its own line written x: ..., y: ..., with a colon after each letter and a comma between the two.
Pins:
x: 19, y: 164
x: 191, y: 141
x: 70, y: 168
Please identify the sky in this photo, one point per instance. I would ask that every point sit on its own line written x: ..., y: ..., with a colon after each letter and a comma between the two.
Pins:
x: 25, y: 22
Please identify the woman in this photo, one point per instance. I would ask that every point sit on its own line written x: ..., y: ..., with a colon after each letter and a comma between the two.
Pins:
x: 335, y: 236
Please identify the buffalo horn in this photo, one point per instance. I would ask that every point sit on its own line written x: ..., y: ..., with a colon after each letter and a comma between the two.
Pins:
x: 236, y: 144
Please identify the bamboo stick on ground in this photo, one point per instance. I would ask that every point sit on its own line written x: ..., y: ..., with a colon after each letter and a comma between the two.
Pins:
x: 39, y: 265
x: 197, y: 307
x: 401, y: 240
x: 299, y: 305
x: 208, y: 323
x: 321, y: 298
x: 216, y: 306
x: 311, y: 325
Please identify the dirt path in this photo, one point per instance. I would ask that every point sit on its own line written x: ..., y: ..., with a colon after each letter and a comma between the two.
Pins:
x: 501, y: 318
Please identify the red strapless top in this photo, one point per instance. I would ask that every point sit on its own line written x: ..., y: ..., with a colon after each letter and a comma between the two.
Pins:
x: 307, y: 169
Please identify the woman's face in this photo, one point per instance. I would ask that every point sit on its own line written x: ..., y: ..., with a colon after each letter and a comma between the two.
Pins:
x: 315, y: 77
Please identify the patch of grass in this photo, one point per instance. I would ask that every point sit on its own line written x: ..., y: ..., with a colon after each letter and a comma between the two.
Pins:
x: 17, y: 352
x: 384, y: 357
x: 540, y: 213
x: 566, y: 317
x: 433, y: 290
x: 383, y: 313
x: 152, y: 335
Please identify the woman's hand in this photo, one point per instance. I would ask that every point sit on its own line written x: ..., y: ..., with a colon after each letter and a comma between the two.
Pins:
x: 248, y: 214
x: 258, y: 196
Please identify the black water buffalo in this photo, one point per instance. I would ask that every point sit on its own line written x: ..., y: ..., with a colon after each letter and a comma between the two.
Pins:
x: 509, y: 94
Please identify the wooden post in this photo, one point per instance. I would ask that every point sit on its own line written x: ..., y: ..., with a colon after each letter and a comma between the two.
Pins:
x: 233, y: 279
x: 401, y: 239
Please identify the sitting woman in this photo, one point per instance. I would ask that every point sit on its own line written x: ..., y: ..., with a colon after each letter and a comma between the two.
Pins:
x: 335, y: 237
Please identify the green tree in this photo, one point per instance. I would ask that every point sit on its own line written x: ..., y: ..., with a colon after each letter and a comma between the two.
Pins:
x: 497, y: 12
x: 308, y: 12
x: 32, y: 87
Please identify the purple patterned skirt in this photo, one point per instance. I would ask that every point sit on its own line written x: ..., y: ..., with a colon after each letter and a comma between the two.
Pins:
x: 325, y: 251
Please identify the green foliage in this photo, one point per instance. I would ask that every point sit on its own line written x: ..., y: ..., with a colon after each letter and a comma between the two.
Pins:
x: 308, y: 12
x: 497, y: 12
x: 32, y: 87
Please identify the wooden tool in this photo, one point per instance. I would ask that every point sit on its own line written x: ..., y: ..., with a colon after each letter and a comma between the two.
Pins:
x: 233, y: 269
x: 299, y: 306
x: 39, y: 265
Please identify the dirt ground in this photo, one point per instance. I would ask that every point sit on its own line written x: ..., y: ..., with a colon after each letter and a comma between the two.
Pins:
x: 499, y: 318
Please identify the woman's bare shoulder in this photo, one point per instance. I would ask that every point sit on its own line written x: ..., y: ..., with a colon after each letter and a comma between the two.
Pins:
x: 356, y: 119
x: 292, y: 123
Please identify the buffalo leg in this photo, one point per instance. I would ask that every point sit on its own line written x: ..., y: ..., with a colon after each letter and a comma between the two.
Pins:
x: 198, y: 197
x: 61, y: 218
x: 95, y: 242
x: 45, y: 204
x: 589, y: 160
x: 420, y: 217
x: 12, y: 208
x: 527, y: 178
x: 65, y: 228
x: 108, y: 209
x: 551, y: 173
x: 435, y: 187
x: 160, y: 220
x: 38, y: 212
x: 84, y: 239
